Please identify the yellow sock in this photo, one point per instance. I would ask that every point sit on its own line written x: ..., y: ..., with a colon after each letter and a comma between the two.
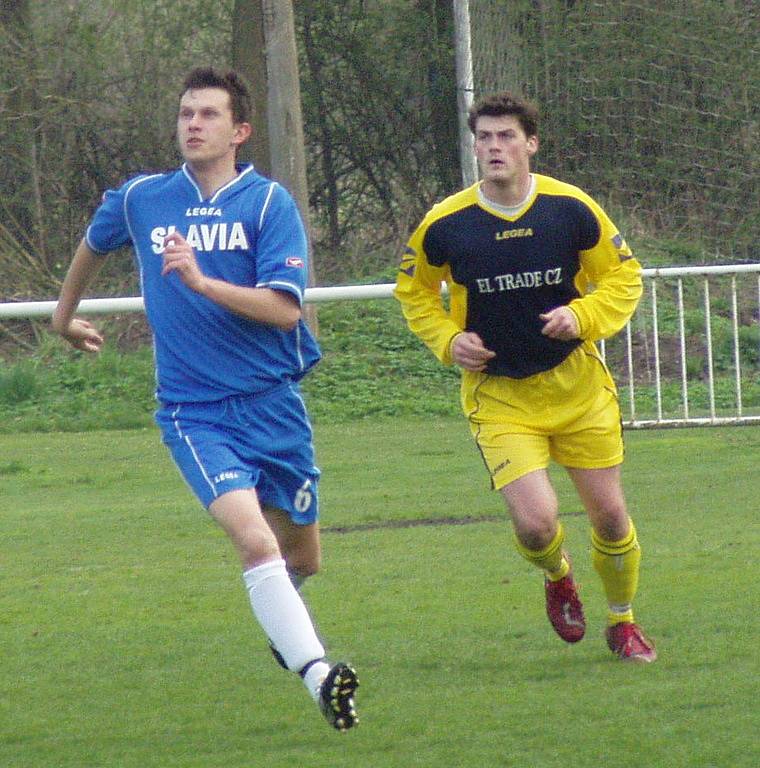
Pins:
x: 551, y: 559
x: 617, y: 563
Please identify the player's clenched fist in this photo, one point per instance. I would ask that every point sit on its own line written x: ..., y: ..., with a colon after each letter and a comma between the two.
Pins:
x: 561, y: 323
x: 468, y: 351
x: 179, y: 257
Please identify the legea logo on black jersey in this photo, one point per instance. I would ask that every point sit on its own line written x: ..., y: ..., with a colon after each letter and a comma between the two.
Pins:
x: 509, y: 233
x: 219, y: 236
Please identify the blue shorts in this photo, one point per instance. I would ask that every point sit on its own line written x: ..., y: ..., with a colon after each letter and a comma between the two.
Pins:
x: 247, y: 441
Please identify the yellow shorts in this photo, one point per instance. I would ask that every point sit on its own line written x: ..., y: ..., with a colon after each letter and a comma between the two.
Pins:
x: 569, y: 414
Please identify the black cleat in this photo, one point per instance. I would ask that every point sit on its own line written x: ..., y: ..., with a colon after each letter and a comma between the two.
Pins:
x: 336, y: 697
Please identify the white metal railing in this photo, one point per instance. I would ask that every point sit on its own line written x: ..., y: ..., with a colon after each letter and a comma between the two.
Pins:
x: 643, y: 362
x: 635, y: 356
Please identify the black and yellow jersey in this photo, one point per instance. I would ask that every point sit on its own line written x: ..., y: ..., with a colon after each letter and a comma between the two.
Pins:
x: 504, y: 271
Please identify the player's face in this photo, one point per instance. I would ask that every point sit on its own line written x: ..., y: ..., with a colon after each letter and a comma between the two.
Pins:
x: 503, y: 150
x: 205, y: 129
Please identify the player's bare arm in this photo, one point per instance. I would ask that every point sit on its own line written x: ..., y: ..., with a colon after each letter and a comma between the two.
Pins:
x: 560, y: 323
x: 469, y: 352
x: 81, y: 334
x: 262, y: 305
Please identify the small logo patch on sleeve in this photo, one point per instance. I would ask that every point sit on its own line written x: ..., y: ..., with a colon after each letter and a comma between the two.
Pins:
x: 624, y: 252
x: 408, y: 261
x: 294, y: 261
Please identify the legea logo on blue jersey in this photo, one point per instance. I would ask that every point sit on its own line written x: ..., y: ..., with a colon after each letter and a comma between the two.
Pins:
x: 228, y: 475
x: 204, y: 210
x: 219, y: 236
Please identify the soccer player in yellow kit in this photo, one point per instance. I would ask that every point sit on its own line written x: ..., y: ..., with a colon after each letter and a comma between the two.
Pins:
x: 536, y: 273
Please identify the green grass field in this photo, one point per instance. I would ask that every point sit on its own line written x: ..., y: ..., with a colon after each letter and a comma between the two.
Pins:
x: 127, y: 640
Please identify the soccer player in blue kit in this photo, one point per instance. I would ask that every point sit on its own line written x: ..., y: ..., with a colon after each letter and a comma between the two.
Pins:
x: 221, y: 253
x: 537, y: 273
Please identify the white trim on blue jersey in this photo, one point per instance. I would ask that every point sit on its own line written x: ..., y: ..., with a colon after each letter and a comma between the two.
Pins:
x: 249, y: 232
x: 265, y: 207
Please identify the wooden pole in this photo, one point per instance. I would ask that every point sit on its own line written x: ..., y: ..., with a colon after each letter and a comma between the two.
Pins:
x: 249, y: 59
x: 268, y: 48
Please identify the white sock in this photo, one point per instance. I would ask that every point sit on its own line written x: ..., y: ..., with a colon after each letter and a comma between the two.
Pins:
x: 282, y: 614
x: 314, y: 676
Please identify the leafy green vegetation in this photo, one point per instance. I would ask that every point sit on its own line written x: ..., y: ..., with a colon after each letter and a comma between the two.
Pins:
x: 372, y: 367
x: 91, y: 99
x: 64, y: 390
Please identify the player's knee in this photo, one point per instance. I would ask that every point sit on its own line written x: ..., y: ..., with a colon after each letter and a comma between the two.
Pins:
x: 256, y: 546
x: 535, y: 528
x: 536, y: 537
x: 302, y: 565
x: 612, y: 522
x: 302, y: 555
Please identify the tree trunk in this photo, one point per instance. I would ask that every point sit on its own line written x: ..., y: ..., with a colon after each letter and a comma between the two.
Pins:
x: 249, y: 59
x: 314, y: 64
x: 441, y: 80
x: 22, y: 104
x: 274, y: 25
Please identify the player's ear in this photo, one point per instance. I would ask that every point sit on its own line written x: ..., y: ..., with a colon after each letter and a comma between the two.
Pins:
x: 532, y: 145
x: 242, y: 133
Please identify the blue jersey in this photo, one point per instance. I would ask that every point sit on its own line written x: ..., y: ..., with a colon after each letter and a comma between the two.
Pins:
x: 248, y: 233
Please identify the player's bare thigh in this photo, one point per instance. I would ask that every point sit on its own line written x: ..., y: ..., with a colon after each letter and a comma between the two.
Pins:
x: 532, y: 504
x: 601, y: 491
x: 239, y: 515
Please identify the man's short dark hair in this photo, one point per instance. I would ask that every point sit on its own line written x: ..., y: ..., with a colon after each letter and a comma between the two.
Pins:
x: 230, y: 81
x: 505, y: 103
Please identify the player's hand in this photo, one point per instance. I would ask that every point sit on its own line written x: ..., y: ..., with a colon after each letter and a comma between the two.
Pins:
x: 179, y: 257
x: 560, y: 323
x: 83, y: 335
x: 469, y: 352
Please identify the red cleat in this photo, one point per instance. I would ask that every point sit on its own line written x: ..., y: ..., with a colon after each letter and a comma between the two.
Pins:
x: 628, y: 642
x: 564, y: 609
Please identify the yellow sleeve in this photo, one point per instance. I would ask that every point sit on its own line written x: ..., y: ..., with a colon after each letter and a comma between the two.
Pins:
x: 609, y: 283
x: 418, y: 289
